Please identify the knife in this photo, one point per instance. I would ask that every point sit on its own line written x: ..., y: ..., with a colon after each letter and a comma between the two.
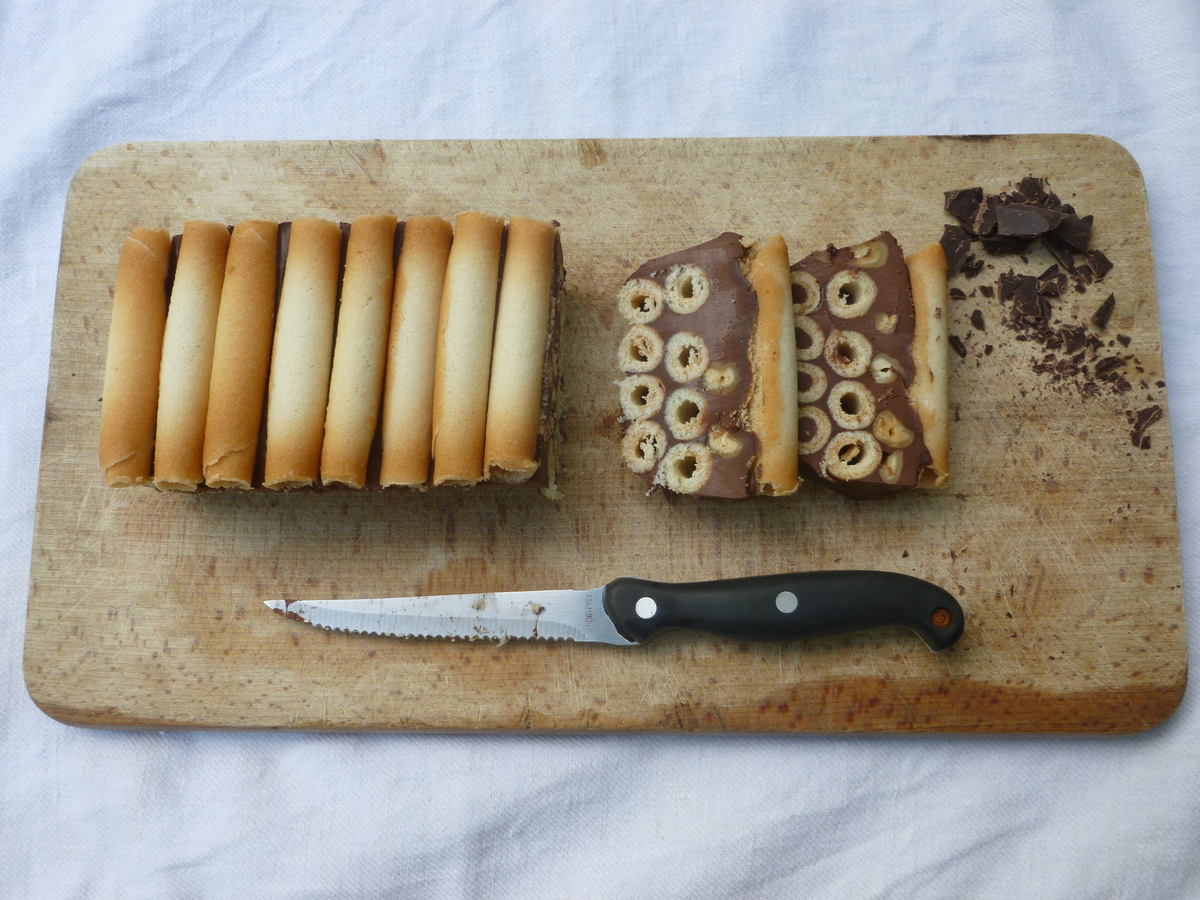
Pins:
x: 631, y: 611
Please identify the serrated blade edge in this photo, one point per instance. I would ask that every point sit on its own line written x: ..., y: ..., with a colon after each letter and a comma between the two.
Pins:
x: 499, y: 616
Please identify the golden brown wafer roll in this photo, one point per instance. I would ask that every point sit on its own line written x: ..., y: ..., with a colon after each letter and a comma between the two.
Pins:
x: 464, y: 351
x: 519, y: 352
x: 358, y: 358
x: 773, y: 397
x: 930, y: 390
x: 241, y: 355
x: 302, y: 355
x: 407, y: 426
x: 187, y: 356
x: 139, y: 314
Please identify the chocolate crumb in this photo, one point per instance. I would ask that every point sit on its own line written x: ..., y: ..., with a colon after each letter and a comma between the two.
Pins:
x: 987, y: 290
x: 987, y: 349
x: 957, y: 294
x: 972, y: 266
x: 1142, y: 420
x: 1123, y: 340
x: 1101, y: 316
x: 958, y: 346
x: 977, y: 320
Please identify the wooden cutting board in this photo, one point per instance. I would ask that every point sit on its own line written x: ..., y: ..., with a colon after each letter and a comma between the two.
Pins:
x: 1058, y: 533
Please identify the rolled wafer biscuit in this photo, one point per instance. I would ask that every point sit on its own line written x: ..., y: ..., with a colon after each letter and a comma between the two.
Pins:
x: 407, y: 425
x: 356, y: 382
x: 302, y: 354
x: 464, y: 349
x: 930, y: 389
x: 187, y: 356
x: 773, y: 397
x: 129, y: 409
x: 241, y: 355
x: 520, y: 351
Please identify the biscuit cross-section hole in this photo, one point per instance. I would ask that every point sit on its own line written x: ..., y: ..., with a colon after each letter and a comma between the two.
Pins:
x: 685, y: 466
x: 640, y: 394
x: 687, y: 412
x: 849, y: 403
x: 851, y: 454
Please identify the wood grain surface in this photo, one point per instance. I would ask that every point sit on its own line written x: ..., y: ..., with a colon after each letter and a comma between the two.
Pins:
x: 1058, y: 534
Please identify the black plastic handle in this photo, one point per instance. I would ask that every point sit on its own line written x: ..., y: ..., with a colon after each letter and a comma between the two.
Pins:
x: 786, y: 607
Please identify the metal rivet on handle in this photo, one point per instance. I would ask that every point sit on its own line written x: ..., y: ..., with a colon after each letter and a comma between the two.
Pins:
x: 786, y: 602
x: 645, y: 608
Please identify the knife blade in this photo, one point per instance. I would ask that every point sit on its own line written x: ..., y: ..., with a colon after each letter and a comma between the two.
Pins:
x: 632, y: 611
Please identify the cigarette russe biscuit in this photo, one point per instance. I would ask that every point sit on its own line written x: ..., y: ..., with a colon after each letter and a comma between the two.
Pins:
x: 519, y: 352
x: 407, y: 420
x: 302, y: 355
x: 241, y: 355
x: 930, y: 390
x: 358, y: 359
x: 464, y: 349
x: 129, y: 410
x: 187, y: 356
x: 773, y: 358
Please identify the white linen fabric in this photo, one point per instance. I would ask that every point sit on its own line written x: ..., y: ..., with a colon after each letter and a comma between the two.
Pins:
x: 128, y: 815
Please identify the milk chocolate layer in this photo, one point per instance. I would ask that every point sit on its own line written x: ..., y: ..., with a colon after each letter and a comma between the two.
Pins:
x: 887, y: 324
x: 725, y: 323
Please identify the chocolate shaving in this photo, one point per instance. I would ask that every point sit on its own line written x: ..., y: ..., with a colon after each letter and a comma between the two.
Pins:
x: 972, y: 267
x: 1142, y: 420
x: 1101, y: 316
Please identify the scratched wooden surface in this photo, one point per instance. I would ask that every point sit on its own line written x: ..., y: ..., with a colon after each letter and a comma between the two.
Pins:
x: 1058, y: 535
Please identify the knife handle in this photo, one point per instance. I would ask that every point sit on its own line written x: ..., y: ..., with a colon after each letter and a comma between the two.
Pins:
x: 786, y: 607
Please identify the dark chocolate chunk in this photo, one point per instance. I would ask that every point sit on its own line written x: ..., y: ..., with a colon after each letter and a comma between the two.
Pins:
x: 972, y: 267
x: 957, y: 244
x: 957, y: 345
x: 985, y: 217
x: 1004, y: 244
x: 1075, y: 231
x: 1052, y: 282
x: 1123, y: 340
x: 1060, y: 250
x: 964, y: 204
x: 1025, y: 219
x: 1034, y: 191
x: 1100, y: 264
x: 1101, y: 316
x: 977, y: 320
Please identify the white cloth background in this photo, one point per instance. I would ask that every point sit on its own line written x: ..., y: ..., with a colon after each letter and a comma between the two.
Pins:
x: 106, y: 814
